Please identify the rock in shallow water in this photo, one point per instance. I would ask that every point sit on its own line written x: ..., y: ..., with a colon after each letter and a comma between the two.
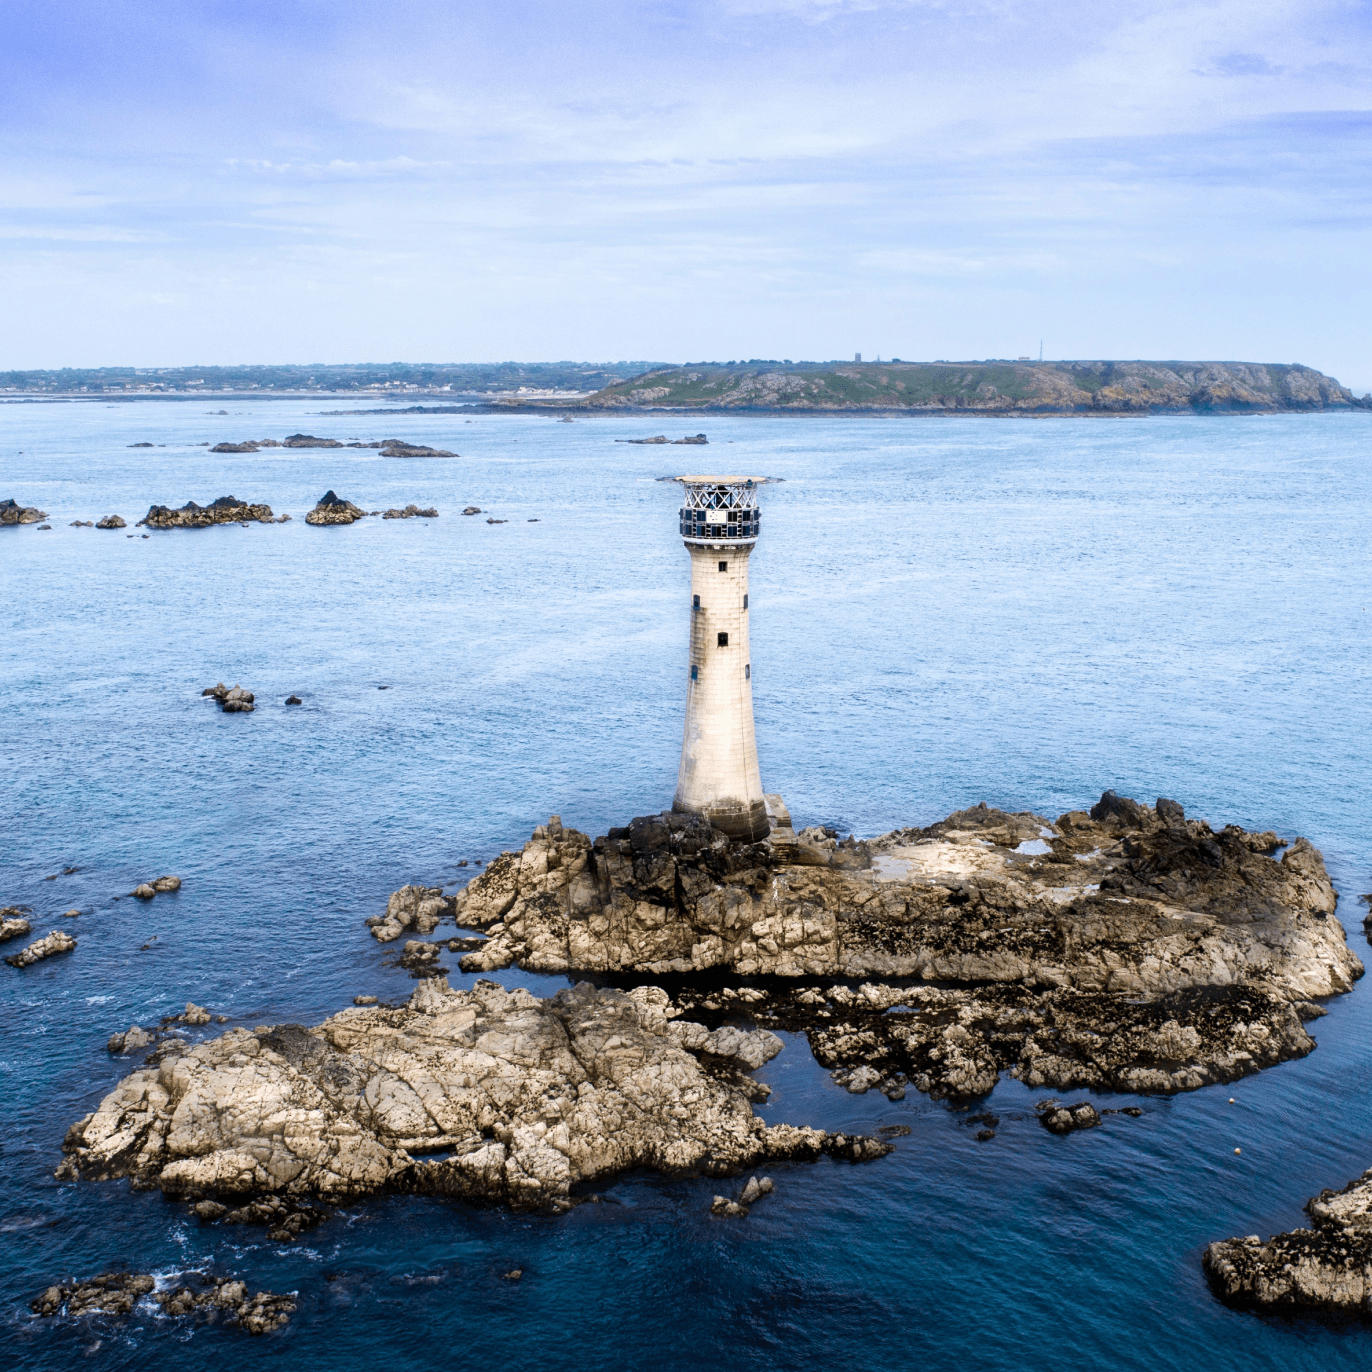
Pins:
x: 11, y: 512
x: 12, y: 923
x: 116, y: 1293
x: 525, y: 1098
x: 333, y: 509
x: 1326, y: 1267
x: 49, y: 946
x: 227, y: 509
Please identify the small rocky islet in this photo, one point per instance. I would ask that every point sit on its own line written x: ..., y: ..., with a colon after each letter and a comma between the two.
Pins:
x: 389, y: 447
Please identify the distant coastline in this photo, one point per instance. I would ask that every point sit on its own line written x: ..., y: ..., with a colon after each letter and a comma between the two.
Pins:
x: 983, y: 388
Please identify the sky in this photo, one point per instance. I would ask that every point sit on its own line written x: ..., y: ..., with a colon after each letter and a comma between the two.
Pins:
x: 227, y: 182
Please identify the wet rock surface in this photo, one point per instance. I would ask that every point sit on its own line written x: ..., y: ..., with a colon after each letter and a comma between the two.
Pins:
x: 333, y: 509
x: 1328, y: 1266
x: 484, y: 1094
x: 227, y: 509
x: 110, y: 522
x: 117, y: 1293
x: 411, y: 512
x: 49, y: 946
x: 11, y: 512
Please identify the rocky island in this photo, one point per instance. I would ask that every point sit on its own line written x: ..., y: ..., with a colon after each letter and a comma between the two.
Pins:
x: 1128, y: 949
x: 1020, y: 387
x: 488, y: 1094
x: 227, y: 509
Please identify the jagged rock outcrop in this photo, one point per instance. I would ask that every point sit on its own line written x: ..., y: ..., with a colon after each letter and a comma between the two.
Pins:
x: 332, y: 509
x: 110, y: 522
x: 1126, y: 903
x: 309, y: 441
x: 954, y: 1042
x: 13, y: 923
x: 117, y: 1293
x: 1128, y: 949
x: 1328, y: 1266
x: 233, y: 700
x: 46, y: 947
x: 227, y: 509
x: 417, y: 908
x: 524, y: 1098
x: 411, y: 512
x: 397, y: 447
x: 11, y: 512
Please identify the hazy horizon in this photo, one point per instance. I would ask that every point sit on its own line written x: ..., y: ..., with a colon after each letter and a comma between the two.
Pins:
x: 769, y: 178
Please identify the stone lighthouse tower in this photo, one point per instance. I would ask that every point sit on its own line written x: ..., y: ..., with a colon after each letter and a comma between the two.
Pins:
x: 718, y: 777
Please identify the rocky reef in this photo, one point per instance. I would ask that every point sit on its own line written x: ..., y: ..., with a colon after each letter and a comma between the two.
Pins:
x: 1125, y: 949
x: 117, y: 1293
x: 487, y: 1094
x: 411, y: 512
x: 227, y: 509
x: 333, y: 509
x: 13, y: 923
x: 110, y: 522
x: 11, y: 512
x: 48, y: 946
x: 1328, y: 1266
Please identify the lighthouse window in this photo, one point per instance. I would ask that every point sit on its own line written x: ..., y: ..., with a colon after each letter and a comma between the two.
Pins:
x: 748, y: 672
x: 745, y: 602
x: 723, y: 566
x: 695, y: 673
x: 723, y: 640
x: 695, y: 602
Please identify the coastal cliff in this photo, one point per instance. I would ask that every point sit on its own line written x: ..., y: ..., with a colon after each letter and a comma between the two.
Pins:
x: 997, y: 388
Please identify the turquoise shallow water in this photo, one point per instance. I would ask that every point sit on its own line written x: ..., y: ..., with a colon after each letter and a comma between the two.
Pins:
x: 1024, y: 612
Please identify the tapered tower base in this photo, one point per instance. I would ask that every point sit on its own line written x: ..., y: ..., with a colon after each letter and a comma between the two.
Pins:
x: 718, y: 777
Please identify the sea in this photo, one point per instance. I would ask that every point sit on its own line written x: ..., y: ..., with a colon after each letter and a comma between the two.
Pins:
x: 944, y: 611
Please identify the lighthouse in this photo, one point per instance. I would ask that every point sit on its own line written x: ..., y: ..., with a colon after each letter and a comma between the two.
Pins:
x: 718, y: 776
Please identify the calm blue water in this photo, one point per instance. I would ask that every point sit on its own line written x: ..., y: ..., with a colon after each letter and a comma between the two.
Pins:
x: 1024, y: 612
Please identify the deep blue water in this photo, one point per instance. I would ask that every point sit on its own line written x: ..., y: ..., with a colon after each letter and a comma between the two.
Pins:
x: 1024, y: 612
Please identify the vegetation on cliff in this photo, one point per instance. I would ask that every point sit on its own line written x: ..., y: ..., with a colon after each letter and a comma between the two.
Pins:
x: 985, y: 387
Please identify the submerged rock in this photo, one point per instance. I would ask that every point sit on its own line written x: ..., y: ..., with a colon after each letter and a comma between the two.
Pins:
x: 525, y: 1098
x: 333, y: 509
x: 248, y: 447
x: 227, y: 509
x: 1328, y: 1266
x: 116, y: 1293
x: 472, y: 510
x: 11, y: 512
x: 49, y: 946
